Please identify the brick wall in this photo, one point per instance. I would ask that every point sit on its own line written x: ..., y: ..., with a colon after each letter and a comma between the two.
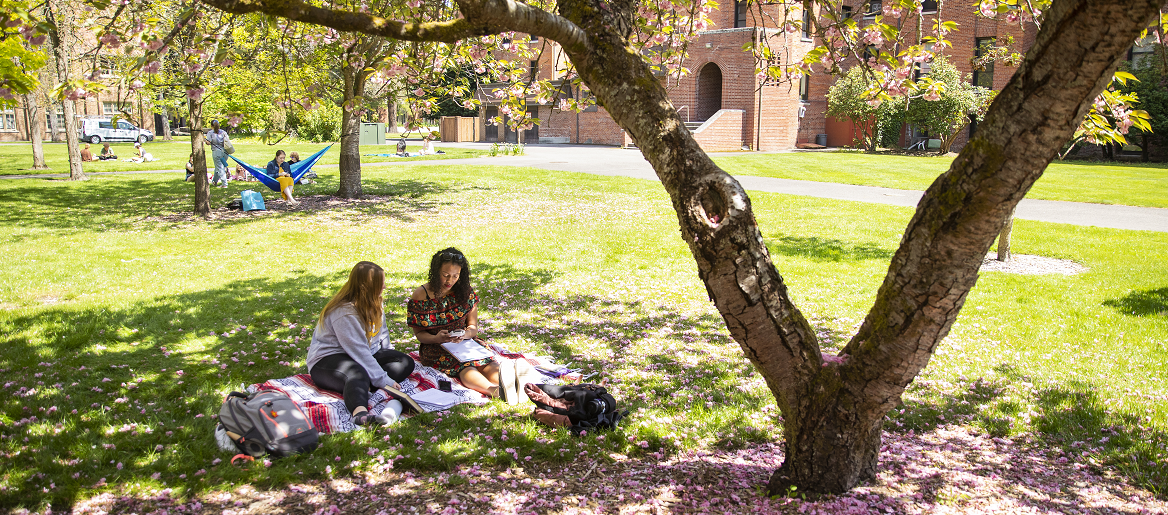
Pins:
x: 722, y: 132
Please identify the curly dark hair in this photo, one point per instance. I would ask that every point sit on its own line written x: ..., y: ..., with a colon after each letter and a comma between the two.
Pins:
x: 461, y: 289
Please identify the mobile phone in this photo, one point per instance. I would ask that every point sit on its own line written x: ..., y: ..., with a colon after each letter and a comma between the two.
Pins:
x: 444, y: 385
x: 457, y: 332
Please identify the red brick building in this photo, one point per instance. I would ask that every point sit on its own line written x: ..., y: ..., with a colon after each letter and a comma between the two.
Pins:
x: 728, y: 108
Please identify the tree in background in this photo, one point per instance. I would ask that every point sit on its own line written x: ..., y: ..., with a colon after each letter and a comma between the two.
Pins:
x: 1151, y: 87
x: 948, y: 102
x: 846, y: 100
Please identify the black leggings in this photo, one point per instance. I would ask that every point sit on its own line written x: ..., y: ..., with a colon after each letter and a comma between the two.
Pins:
x: 340, y: 373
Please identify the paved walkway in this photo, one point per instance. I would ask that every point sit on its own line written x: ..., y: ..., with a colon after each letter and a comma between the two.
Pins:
x: 614, y: 161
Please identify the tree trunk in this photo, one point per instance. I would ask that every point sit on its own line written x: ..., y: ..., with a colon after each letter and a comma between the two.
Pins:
x: 62, y: 38
x: 350, y: 166
x: 1144, y: 155
x: 166, y: 136
x: 54, y: 125
x: 391, y: 109
x: 1004, y: 240
x: 202, y: 185
x: 833, y: 407
x: 36, y: 129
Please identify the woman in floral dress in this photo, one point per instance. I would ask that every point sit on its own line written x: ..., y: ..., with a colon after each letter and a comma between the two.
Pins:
x: 441, y: 308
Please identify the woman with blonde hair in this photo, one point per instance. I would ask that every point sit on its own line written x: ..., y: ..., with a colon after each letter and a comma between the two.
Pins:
x: 350, y: 351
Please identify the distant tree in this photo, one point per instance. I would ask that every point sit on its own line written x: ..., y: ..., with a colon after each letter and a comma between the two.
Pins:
x: 947, y: 102
x: 846, y: 99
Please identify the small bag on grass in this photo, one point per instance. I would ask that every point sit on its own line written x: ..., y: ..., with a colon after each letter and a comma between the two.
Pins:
x: 267, y: 422
x: 252, y: 200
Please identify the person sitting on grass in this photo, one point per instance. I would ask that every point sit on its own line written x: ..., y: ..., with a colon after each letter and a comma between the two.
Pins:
x: 445, y: 309
x: 241, y: 174
x: 401, y: 148
x: 350, y: 350
x: 86, y: 155
x: 191, y: 168
x: 107, y: 153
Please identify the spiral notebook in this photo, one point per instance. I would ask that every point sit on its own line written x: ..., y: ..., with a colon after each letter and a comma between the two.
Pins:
x: 467, y: 350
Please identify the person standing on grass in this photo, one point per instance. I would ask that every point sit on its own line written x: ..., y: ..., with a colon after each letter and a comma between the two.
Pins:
x: 216, y: 137
x: 350, y: 351
x: 445, y: 309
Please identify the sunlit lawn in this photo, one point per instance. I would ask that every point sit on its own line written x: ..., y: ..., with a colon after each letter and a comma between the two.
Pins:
x: 106, y: 296
x: 1132, y: 184
x: 16, y: 159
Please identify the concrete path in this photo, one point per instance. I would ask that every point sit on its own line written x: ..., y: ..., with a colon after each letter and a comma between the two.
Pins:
x: 614, y: 161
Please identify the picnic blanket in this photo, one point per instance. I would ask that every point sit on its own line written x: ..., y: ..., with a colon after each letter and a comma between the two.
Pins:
x: 326, y: 409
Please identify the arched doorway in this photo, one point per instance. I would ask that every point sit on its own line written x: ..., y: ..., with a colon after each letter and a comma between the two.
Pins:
x: 709, y: 92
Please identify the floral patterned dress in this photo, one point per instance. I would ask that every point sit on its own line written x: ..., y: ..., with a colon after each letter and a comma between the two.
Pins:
x: 445, y: 313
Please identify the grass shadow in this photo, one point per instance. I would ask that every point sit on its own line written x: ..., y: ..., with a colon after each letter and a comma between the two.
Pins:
x: 1069, y: 417
x: 159, y: 202
x: 120, y: 398
x: 1141, y: 303
x: 826, y: 249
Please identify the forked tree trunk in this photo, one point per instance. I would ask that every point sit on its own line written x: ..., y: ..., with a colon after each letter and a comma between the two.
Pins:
x: 350, y: 165
x: 36, y: 129
x: 833, y: 406
x: 62, y: 37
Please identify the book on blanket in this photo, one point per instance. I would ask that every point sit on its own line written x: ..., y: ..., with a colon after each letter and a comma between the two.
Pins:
x: 467, y: 350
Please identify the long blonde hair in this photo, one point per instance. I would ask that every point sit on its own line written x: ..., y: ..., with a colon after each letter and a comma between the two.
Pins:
x: 363, y: 289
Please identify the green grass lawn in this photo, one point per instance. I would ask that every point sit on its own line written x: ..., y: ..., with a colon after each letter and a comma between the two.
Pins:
x: 16, y: 159
x: 124, y: 322
x: 1128, y: 184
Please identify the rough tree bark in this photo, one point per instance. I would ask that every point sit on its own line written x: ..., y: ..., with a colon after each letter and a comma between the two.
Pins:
x: 61, y: 36
x: 350, y: 165
x: 833, y: 406
x: 391, y: 110
x: 199, y: 151
x: 1004, y: 239
x: 36, y: 129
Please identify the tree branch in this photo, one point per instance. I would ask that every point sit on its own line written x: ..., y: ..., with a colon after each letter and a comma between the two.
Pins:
x: 482, y: 18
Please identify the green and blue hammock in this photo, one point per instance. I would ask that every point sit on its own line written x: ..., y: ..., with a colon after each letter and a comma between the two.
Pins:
x: 298, y: 169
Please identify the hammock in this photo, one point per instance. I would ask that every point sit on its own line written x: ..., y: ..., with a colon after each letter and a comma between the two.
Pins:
x: 298, y: 169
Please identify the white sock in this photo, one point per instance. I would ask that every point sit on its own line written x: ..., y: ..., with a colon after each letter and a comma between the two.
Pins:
x: 392, y: 410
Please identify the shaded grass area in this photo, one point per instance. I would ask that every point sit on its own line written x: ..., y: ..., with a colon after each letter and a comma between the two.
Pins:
x: 586, y: 269
x: 16, y: 159
x: 1131, y: 184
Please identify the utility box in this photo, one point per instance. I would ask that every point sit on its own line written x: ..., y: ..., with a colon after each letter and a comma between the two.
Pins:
x: 372, y: 133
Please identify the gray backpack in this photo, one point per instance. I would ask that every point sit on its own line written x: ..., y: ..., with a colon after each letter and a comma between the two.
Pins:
x: 267, y: 422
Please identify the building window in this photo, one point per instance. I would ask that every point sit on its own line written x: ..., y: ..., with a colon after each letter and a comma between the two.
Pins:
x: 929, y: 6
x: 60, y: 120
x: 807, y: 20
x: 874, y: 8
x: 534, y: 38
x: 109, y: 108
x: 740, y: 10
x: 8, y: 120
x: 804, y: 85
x: 985, y: 76
x: 845, y: 12
x: 1142, y: 51
x: 534, y: 69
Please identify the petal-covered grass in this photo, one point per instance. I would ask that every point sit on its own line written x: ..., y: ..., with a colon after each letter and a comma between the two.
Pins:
x: 1130, y: 184
x: 124, y: 321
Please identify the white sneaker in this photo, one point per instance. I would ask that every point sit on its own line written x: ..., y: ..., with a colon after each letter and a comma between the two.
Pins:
x: 507, y: 382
